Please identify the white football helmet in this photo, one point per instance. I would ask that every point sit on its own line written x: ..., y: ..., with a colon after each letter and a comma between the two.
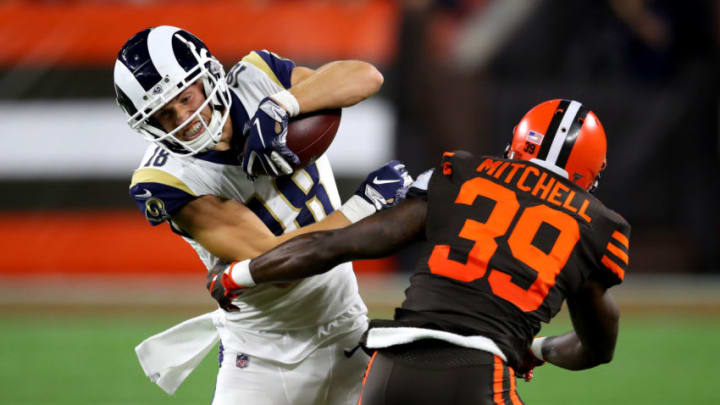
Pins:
x: 153, y: 67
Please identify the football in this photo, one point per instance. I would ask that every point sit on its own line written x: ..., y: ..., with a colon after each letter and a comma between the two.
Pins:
x: 310, y: 135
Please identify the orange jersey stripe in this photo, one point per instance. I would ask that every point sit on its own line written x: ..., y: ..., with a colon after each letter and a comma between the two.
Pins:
x: 498, y: 382
x: 513, y: 394
x: 617, y: 252
x: 622, y: 239
x: 613, y: 267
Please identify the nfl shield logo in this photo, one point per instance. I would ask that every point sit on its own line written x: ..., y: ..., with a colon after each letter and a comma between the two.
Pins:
x: 242, y: 360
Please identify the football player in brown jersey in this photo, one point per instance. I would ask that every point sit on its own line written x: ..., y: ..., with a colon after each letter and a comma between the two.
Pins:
x: 506, y: 241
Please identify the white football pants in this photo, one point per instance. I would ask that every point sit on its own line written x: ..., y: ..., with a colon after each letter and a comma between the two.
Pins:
x: 326, y: 377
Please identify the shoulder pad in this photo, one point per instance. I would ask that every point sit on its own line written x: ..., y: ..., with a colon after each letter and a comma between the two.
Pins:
x: 159, y: 194
x: 276, y: 68
x: 450, y: 158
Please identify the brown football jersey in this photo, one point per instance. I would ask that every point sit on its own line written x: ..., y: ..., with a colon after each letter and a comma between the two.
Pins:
x: 507, y: 242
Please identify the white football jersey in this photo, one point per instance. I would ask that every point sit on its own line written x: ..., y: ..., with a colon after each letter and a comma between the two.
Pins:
x: 163, y: 184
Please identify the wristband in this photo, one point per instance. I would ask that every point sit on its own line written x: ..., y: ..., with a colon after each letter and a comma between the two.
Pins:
x: 356, y: 208
x: 288, y: 101
x: 536, y: 348
x: 239, y: 273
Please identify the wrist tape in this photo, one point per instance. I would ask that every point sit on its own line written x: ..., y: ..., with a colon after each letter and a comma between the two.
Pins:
x: 536, y: 348
x: 357, y: 208
x: 239, y: 273
x: 288, y: 101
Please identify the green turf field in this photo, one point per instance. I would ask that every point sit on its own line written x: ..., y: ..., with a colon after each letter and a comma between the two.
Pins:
x: 71, y: 359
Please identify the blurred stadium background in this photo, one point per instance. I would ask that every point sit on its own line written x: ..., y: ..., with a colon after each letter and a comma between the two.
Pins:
x: 80, y: 269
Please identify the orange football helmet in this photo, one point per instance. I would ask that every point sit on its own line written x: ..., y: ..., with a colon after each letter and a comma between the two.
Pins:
x: 565, y: 137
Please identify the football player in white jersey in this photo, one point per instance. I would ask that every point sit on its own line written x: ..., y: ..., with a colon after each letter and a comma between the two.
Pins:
x: 278, y: 345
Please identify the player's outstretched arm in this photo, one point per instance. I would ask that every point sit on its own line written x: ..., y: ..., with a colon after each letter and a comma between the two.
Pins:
x: 314, y: 253
x: 232, y: 232
x: 595, y: 318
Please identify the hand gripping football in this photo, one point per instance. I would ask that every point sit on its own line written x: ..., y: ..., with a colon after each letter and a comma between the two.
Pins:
x: 310, y: 135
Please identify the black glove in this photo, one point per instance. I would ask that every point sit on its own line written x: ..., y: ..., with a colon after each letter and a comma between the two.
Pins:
x: 527, y: 364
x: 217, y: 286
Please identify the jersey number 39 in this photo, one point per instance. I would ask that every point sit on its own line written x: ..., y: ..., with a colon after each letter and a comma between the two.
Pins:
x: 546, y: 265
